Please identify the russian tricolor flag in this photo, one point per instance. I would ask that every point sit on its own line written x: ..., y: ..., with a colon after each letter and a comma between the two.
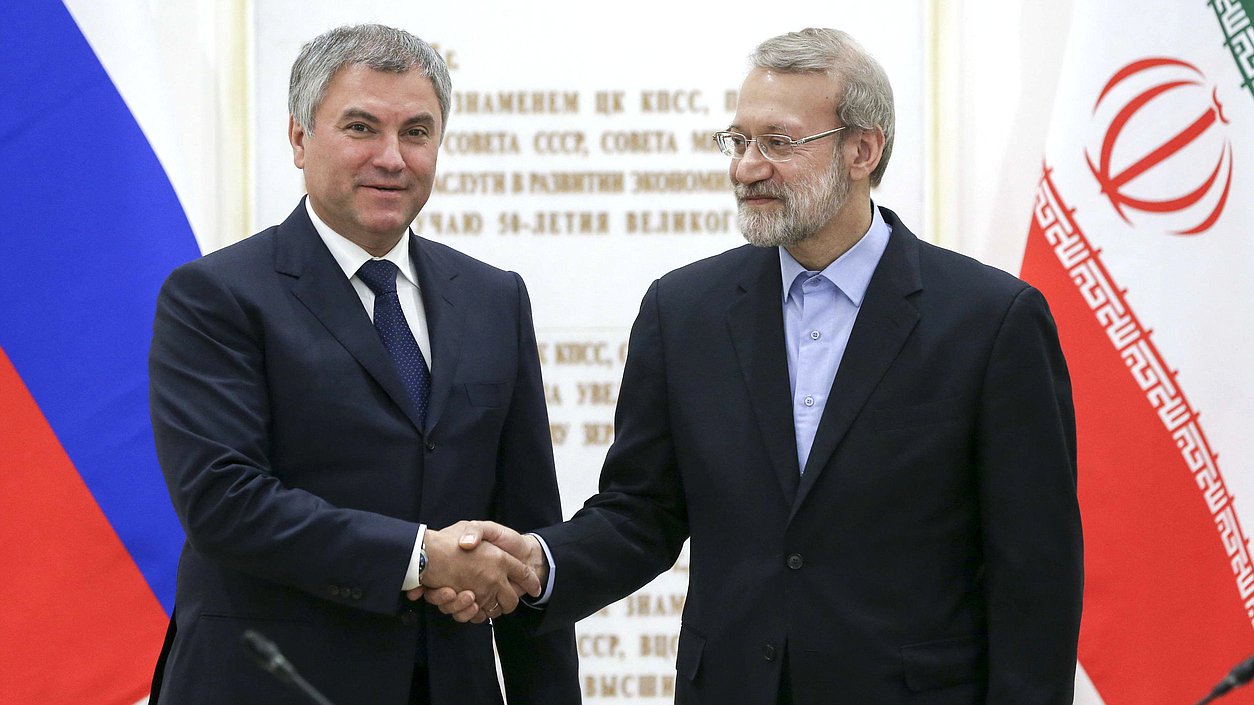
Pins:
x: 89, y: 227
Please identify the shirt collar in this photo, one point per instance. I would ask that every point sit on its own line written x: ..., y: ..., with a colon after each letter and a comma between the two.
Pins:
x: 350, y: 256
x: 851, y: 272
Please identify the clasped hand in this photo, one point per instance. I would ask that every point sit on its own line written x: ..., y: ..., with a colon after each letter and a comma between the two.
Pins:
x: 478, y: 570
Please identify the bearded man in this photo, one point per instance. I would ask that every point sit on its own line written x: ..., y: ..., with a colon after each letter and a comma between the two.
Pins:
x: 869, y: 440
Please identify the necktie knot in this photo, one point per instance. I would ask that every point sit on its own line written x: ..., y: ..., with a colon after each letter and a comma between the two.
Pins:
x: 379, y: 275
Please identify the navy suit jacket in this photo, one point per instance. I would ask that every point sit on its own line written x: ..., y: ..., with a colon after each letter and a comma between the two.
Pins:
x: 300, y: 475
x: 930, y: 553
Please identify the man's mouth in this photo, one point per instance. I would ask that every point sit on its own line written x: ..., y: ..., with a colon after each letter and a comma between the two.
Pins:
x: 757, y: 197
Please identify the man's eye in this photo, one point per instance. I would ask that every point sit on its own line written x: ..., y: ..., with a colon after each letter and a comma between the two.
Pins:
x: 357, y: 127
x: 776, y: 141
x: 418, y: 132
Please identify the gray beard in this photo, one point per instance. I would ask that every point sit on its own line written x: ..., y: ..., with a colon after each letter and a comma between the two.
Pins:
x: 807, y: 207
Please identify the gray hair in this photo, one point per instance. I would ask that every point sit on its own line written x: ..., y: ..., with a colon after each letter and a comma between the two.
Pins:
x: 373, y: 45
x: 868, y: 99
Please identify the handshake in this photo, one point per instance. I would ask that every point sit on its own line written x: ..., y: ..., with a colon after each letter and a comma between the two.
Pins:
x: 478, y: 570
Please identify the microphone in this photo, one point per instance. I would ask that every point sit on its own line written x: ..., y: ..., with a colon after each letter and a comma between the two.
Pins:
x: 266, y: 655
x: 1237, y: 677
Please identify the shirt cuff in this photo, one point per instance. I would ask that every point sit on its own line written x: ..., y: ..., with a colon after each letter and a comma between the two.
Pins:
x: 411, y: 573
x: 547, y: 592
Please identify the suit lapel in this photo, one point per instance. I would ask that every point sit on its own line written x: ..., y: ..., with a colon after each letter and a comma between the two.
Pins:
x: 437, y: 279
x: 756, y: 322
x: 321, y: 286
x: 885, y: 321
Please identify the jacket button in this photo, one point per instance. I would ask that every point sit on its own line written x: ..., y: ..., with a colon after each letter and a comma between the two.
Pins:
x: 430, y: 446
x: 768, y: 652
x: 409, y: 618
x: 795, y: 561
x: 334, y: 590
x: 356, y: 593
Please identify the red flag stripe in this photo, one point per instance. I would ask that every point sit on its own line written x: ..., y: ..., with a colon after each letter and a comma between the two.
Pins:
x: 1168, y: 607
x: 86, y: 628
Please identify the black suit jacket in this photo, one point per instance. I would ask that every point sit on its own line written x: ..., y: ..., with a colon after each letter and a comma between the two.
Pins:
x: 931, y: 551
x: 297, y: 469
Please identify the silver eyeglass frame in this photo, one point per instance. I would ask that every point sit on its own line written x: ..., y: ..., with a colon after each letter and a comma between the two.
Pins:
x: 791, y: 143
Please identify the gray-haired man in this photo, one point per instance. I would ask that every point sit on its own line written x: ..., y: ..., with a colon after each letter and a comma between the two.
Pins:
x: 324, y: 391
x: 869, y: 440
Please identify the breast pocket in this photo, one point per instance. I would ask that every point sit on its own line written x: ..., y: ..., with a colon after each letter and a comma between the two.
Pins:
x: 952, y: 410
x: 487, y: 394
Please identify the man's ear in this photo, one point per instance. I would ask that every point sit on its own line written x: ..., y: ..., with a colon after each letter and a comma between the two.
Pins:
x: 869, y: 146
x: 296, y: 135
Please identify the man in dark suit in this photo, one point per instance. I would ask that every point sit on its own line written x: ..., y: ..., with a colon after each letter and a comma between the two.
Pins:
x: 307, y: 443
x: 869, y: 440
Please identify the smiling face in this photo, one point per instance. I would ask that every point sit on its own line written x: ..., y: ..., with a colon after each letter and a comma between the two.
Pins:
x: 369, y: 160
x: 785, y: 203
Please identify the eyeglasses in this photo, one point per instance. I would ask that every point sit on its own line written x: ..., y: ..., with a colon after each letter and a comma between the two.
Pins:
x: 775, y: 148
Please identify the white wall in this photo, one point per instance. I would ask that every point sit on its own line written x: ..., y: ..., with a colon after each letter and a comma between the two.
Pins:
x: 1010, y: 57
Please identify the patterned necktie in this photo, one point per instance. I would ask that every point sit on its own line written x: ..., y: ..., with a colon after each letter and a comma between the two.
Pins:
x: 394, y: 331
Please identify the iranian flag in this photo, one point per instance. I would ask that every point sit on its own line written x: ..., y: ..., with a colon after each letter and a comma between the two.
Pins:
x: 1142, y: 238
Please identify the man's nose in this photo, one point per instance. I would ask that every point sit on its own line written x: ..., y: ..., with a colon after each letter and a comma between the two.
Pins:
x: 752, y: 167
x: 388, y: 155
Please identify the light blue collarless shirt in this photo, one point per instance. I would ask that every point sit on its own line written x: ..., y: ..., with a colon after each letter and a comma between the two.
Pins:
x: 819, y: 312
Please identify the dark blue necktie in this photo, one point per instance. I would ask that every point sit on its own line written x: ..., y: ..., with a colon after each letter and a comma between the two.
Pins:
x: 394, y: 331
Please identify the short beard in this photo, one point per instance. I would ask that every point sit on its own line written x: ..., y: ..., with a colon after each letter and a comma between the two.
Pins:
x: 808, y: 206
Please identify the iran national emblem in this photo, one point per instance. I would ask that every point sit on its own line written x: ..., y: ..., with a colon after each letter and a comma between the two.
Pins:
x: 1164, y: 155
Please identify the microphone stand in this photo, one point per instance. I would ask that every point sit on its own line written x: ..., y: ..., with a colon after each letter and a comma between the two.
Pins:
x: 1237, y: 677
x: 266, y: 655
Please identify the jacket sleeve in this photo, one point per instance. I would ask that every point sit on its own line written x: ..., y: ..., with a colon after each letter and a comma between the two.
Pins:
x: 1033, y: 553
x: 210, y: 411
x: 634, y: 528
